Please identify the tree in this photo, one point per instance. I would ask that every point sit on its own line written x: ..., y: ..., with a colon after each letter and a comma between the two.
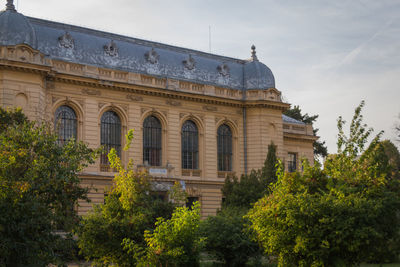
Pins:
x: 226, y: 235
x: 320, y: 148
x: 113, y: 233
x: 226, y: 238
x: 393, y: 156
x: 39, y: 186
x: 268, y: 171
x: 174, y: 242
x: 251, y: 187
x: 341, y: 215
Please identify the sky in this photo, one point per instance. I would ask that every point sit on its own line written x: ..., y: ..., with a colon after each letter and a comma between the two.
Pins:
x: 326, y: 56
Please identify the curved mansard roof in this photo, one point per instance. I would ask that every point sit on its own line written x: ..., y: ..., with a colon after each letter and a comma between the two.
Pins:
x: 86, y: 46
x: 16, y: 29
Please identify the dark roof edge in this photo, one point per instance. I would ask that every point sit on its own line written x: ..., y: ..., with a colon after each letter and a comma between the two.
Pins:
x: 119, y: 37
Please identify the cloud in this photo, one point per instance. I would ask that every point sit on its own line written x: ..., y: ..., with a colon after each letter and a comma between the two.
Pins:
x: 350, y: 57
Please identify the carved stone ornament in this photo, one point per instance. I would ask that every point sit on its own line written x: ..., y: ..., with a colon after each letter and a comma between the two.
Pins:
x: 143, y: 110
x: 91, y: 92
x: 111, y: 49
x: 66, y: 41
x: 124, y: 107
x: 134, y: 97
x: 189, y: 63
x: 173, y: 103
x: 54, y: 99
x: 152, y: 56
x: 223, y: 69
x: 210, y: 108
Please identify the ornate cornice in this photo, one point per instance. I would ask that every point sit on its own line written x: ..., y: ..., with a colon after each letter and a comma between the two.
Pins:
x: 302, y: 137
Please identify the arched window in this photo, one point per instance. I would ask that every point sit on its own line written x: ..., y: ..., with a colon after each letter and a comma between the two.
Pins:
x: 110, y: 136
x: 190, y: 145
x: 224, y: 144
x: 65, y: 124
x: 152, y: 141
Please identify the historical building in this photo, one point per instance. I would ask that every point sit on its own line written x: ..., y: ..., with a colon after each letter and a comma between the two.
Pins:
x: 198, y: 117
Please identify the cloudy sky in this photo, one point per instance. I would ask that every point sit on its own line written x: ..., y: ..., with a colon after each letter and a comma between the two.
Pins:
x: 326, y: 56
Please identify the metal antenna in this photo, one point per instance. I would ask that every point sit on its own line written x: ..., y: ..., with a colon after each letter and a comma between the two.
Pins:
x: 209, y: 38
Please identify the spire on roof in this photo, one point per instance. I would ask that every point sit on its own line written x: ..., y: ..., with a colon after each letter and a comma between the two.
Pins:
x: 253, y: 53
x: 10, y: 5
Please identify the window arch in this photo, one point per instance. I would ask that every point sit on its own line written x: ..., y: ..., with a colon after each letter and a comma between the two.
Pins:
x: 152, y: 141
x: 224, y: 143
x: 190, y: 145
x: 65, y: 124
x: 110, y: 135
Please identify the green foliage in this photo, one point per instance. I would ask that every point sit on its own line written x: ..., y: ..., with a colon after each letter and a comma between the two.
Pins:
x: 177, y: 194
x: 320, y: 148
x: 244, y: 192
x: 268, y: 172
x: 113, y: 233
x: 39, y: 187
x: 393, y: 156
x: 174, y: 242
x: 227, y: 238
x: 250, y: 188
x: 339, y: 216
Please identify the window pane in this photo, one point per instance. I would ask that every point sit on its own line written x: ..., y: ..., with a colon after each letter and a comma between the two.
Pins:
x: 292, y: 162
x: 224, y: 147
x: 152, y: 141
x: 110, y: 135
x: 65, y: 124
x: 190, y: 148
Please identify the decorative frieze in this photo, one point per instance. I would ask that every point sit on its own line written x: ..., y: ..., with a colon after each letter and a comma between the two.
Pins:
x: 93, y: 92
x: 134, y: 98
x: 210, y: 108
x: 173, y: 103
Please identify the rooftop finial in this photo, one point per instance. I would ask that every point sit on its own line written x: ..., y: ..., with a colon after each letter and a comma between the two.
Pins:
x: 253, y: 53
x: 10, y: 5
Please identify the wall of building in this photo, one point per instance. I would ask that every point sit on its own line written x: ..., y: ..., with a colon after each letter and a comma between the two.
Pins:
x: 90, y: 91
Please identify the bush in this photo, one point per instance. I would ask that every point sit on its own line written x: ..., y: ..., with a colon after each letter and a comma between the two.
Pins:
x: 226, y: 237
x: 174, y: 242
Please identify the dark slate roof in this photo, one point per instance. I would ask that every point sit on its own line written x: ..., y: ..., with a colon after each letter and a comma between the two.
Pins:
x: 291, y: 120
x: 16, y: 29
x: 87, y: 46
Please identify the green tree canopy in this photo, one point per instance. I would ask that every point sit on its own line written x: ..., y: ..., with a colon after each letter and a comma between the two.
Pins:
x: 341, y: 215
x: 39, y: 186
x: 320, y: 148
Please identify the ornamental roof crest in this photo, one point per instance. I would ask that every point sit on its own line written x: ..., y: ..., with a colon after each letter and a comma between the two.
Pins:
x: 223, y: 69
x: 111, y: 49
x: 152, y: 56
x: 66, y: 41
x: 189, y: 63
